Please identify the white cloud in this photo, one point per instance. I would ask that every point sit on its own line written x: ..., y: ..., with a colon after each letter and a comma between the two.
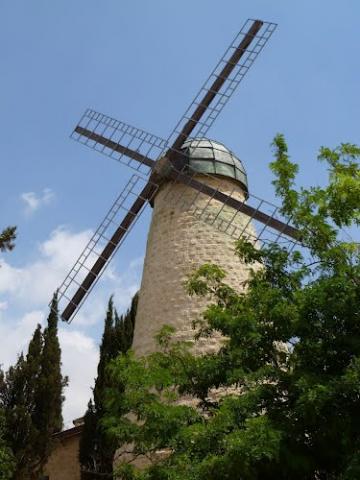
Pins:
x: 34, y: 201
x: 35, y: 283
x: 3, y: 305
x: 25, y: 292
x: 15, y: 334
x: 80, y: 358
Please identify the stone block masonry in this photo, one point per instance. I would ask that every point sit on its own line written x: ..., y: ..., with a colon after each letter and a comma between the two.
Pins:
x: 63, y: 463
x: 178, y: 243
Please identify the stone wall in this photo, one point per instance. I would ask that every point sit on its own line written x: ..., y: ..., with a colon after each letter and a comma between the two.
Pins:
x: 179, y: 241
x: 63, y: 463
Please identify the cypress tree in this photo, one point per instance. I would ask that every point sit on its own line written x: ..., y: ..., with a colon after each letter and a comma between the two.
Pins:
x: 96, y: 449
x: 95, y: 454
x: 31, y: 398
x: 49, y: 397
x: 17, y: 421
x: 124, y: 327
x: 51, y: 382
x: 7, y: 459
x: 18, y: 390
x: 87, y: 452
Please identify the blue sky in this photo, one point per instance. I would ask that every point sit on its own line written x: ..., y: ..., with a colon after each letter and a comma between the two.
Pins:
x: 142, y: 62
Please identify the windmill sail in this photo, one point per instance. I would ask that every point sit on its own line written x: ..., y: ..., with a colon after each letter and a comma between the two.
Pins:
x: 222, y: 82
x: 97, y: 254
x: 117, y: 140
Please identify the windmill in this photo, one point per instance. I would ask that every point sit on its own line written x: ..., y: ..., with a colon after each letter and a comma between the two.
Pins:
x: 185, y: 176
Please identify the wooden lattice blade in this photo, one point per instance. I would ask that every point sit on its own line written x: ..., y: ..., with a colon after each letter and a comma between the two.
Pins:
x: 222, y: 81
x: 218, y: 83
x: 116, y: 147
x: 117, y: 140
x: 104, y: 257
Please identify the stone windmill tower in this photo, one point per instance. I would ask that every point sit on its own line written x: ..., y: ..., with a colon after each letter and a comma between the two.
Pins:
x: 199, y: 193
x: 179, y: 241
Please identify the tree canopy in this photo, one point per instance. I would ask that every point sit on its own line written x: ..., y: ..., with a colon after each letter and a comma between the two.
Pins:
x: 7, y: 238
x: 281, y: 398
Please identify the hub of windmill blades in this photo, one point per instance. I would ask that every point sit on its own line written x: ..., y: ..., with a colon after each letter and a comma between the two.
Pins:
x: 159, y: 161
x: 162, y: 169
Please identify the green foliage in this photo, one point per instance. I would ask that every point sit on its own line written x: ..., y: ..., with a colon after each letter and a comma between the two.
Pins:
x: 320, y: 211
x: 31, y: 399
x: 7, y: 238
x: 96, y: 448
x: 281, y: 398
x: 7, y: 459
x: 50, y: 385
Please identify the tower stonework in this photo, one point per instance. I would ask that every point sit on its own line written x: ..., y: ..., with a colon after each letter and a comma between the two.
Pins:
x: 178, y: 243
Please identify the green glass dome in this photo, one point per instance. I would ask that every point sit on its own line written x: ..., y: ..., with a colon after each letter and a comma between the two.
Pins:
x: 208, y: 156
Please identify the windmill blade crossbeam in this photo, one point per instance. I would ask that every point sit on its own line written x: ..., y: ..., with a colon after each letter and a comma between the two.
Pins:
x: 103, y: 245
x: 117, y: 140
x: 186, y: 176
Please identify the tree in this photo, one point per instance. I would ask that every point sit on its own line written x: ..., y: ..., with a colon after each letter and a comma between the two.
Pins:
x: 31, y: 399
x: 96, y: 448
x: 124, y: 328
x: 291, y: 412
x: 48, y: 393
x: 7, y: 460
x: 18, y: 389
x: 7, y: 238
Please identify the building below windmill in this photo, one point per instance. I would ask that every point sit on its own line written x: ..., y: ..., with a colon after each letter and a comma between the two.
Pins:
x: 63, y: 463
